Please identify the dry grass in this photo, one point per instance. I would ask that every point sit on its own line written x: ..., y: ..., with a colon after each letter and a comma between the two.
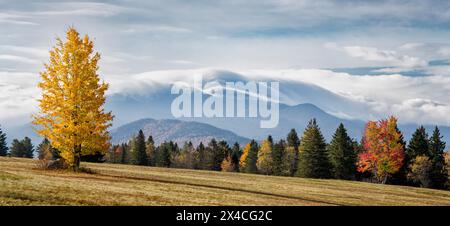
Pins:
x: 21, y: 183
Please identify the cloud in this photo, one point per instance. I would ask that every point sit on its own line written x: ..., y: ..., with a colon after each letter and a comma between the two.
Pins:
x: 80, y: 9
x: 19, y: 59
x: 156, y: 28
x: 386, y: 57
x: 15, y: 19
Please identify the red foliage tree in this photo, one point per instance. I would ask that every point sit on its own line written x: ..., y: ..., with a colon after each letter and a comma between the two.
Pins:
x: 384, y: 152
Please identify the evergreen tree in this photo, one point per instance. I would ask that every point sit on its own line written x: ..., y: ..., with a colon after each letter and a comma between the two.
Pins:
x: 3, y: 144
x: 124, y: 159
x: 139, y: 154
x: 313, y: 159
x: 165, y: 151
x: 23, y: 148
x: 223, y: 150
x: 202, y: 158
x: 342, y: 155
x: 16, y: 149
x: 418, y: 145
x: 28, y: 147
x: 438, y: 173
x: 291, y: 151
x: 235, y: 155
x: 277, y: 158
x: 249, y: 158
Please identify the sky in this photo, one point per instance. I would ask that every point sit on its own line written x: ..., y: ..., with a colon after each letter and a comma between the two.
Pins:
x: 387, y: 57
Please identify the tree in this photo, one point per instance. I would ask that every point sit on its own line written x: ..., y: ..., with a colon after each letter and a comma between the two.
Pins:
x: 418, y: 145
x: 401, y: 176
x: 165, y: 151
x: 419, y: 171
x: 291, y: 151
x: 438, y: 172
x: 46, y: 151
x: 221, y: 151
x: 247, y: 162
x: 3, y: 144
x: 342, y: 155
x: 265, y: 158
x: 138, y: 150
x: 235, y: 155
x: 23, y: 148
x: 71, y: 108
x: 280, y: 167
x: 16, y: 149
x: 186, y: 157
x: 313, y: 159
x: 151, y: 151
x: 201, y: 157
x: 124, y: 159
x: 384, y: 152
x: 227, y: 165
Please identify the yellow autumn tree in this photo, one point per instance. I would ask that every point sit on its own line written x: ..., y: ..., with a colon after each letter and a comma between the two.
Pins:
x: 71, y: 113
x: 242, y: 160
x: 265, y: 160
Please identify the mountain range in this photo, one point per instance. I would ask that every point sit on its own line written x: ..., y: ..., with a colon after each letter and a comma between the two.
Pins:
x: 150, y: 110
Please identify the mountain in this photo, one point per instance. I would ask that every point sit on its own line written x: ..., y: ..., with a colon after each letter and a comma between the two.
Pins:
x: 300, y: 102
x: 175, y: 130
x: 234, y: 129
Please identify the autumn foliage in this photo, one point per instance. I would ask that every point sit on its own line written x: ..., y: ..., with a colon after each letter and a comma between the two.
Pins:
x: 384, y: 152
x: 71, y: 108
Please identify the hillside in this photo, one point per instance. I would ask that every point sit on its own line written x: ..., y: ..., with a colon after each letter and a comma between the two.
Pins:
x: 113, y: 184
x: 175, y: 130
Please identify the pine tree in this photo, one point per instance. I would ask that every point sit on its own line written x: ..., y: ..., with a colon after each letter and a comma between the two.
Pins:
x: 249, y: 157
x: 71, y: 113
x: 265, y: 160
x: 438, y: 173
x: 418, y: 145
x: 23, y: 148
x: 3, y: 144
x: 202, y: 158
x: 291, y: 151
x: 16, y: 149
x: 124, y: 159
x: 235, y: 155
x: 279, y: 168
x: 219, y: 154
x: 165, y: 151
x: 139, y: 154
x: 313, y: 159
x: 342, y: 155
x: 28, y: 147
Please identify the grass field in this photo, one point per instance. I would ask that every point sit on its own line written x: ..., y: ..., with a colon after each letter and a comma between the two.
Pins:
x: 112, y: 184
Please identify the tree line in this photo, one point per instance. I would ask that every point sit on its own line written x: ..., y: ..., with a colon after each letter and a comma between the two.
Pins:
x: 381, y: 156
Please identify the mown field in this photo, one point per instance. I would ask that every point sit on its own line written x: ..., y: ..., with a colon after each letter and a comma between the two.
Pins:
x: 112, y: 184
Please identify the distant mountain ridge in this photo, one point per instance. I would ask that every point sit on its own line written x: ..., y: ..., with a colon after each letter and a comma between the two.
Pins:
x: 175, y: 130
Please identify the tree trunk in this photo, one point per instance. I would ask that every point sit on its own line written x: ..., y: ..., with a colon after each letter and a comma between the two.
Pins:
x: 76, y: 158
